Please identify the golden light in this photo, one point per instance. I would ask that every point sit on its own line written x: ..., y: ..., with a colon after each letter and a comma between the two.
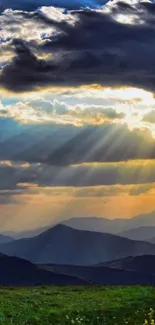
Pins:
x: 129, y: 94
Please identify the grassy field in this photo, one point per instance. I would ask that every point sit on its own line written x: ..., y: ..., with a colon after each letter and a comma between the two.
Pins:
x: 76, y: 305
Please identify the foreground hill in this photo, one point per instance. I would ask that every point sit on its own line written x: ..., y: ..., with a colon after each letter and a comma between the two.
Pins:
x: 64, y: 245
x: 16, y: 271
x: 144, y: 264
x: 102, y: 274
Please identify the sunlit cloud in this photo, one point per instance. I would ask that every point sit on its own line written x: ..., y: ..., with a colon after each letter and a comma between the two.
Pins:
x: 74, y: 106
x: 46, y: 111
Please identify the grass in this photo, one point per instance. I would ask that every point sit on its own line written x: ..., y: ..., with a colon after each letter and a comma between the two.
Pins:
x: 76, y: 305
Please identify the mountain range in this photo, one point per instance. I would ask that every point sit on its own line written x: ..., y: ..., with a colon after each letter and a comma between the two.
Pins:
x: 145, y: 264
x: 146, y: 233
x: 19, y: 272
x: 5, y: 239
x: 130, y: 270
x: 67, y: 255
x: 65, y: 245
x: 140, y: 227
x: 16, y: 271
x: 112, y: 226
x: 99, y: 224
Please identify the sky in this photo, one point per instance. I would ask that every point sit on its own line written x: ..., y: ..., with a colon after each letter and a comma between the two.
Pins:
x: 77, y: 110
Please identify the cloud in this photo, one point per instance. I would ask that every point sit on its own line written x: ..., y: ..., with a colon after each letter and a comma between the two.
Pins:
x: 102, y: 191
x: 107, y: 143
x: 77, y: 110
x: 82, y: 47
x: 94, y: 191
x: 25, y: 66
x: 46, y: 111
x: 149, y: 117
x: 9, y: 197
x: 19, y: 179
x: 141, y: 189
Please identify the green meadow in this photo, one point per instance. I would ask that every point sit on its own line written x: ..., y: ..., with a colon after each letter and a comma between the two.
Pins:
x: 77, y: 305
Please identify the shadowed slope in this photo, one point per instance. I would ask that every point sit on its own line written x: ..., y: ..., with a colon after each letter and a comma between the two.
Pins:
x: 16, y: 271
x: 103, y: 274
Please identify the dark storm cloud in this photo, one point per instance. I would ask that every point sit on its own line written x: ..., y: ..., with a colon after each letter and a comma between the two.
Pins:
x: 106, y: 174
x: 25, y: 69
x: 9, y: 176
x: 149, y: 6
x: 95, y: 49
x: 10, y: 190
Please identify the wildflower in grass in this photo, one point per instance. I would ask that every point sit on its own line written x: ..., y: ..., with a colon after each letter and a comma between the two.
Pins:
x: 150, y: 314
x: 150, y: 320
x: 145, y: 322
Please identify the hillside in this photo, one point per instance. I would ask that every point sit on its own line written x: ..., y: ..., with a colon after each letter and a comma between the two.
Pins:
x: 144, y: 264
x: 16, y: 271
x: 64, y: 245
x: 102, y: 274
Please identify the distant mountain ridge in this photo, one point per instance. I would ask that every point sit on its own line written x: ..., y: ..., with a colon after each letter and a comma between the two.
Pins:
x: 113, y: 226
x: 98, y: 224
x: 65, y: 245
x: 145, y: 233
x: 152, y: 240
x: 5, y: 239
